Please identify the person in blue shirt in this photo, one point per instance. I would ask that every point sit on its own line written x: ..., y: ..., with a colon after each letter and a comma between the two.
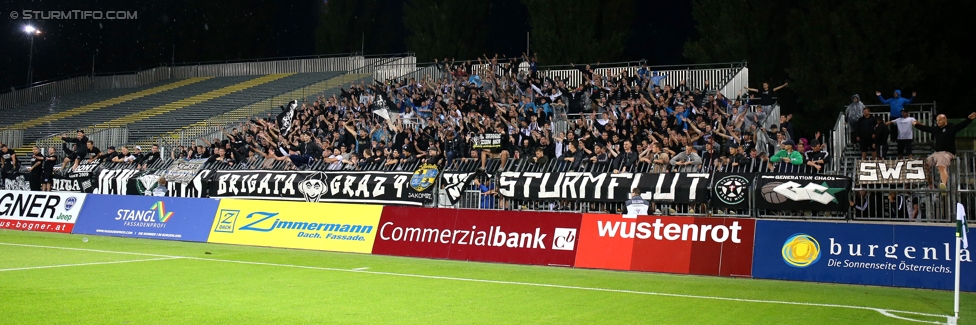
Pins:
x: 681, y: 114
x: 656, y: 78
x: 897, y: 103
x: 475, y: 79
x: 643, y: 72
x: 487, y: 189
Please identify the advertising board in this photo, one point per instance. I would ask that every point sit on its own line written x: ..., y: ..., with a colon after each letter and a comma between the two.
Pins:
x: 686, y: 245
x: 319, y: 226
x: 185, y: 219
x: 534, y: 238
x: 40, y: 211
x: 871, y: 254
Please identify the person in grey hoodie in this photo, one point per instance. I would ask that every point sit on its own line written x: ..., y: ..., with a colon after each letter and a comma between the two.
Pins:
x: 854, y: 111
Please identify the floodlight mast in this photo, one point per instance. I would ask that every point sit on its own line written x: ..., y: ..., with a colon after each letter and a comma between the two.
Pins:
x: 31, y: 32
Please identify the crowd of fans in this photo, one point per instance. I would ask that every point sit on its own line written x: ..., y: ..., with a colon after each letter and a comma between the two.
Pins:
x: 619, y: 123
x: 626, y: 122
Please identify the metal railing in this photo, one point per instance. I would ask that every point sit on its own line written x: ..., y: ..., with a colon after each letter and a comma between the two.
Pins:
x: 915, y: 202
x: 693, y: 78
x: 13, y: 138
x: 924, y: 113
x: 189, y: 134
x: 102, y: 138
x: 205, y: 129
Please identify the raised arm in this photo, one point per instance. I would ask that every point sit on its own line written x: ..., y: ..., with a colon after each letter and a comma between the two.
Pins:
x: 881, y: 98
x: 962, y: 125
x: 781, y: 86
x: 925, y: 128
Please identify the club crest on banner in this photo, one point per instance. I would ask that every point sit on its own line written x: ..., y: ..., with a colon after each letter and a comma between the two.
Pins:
x: 732, y: 189
x: 424, y: 177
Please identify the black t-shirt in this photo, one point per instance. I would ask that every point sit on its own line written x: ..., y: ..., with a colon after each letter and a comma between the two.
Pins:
x: 748, y: 145
x: 49, y: 162
x: 507, y: 142
x: 109, y: 156
x: 36, y: 158
x: 362, y: 144
x: 94, y: 152
x: 766, y: 97
x: 150, y: 158
x: 7, y: 156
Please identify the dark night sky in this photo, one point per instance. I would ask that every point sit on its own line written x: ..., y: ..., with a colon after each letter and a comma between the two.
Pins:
x: 233, y: 30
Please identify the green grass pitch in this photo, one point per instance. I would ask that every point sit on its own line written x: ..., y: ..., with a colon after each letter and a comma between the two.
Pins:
x: 50, y: 278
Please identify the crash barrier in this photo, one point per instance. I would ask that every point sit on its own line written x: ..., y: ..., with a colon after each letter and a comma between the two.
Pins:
x: 877, y: 190
x: 720, y: 193
x: 899, y: 255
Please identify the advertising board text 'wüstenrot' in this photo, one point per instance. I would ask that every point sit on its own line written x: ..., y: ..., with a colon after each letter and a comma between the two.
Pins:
x: 688, y: 245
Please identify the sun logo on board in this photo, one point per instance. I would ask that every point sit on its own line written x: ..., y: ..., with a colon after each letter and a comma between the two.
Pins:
x: 801, y: 250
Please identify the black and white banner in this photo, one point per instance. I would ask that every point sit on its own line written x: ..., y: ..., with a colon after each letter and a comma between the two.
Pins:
x: 666, y: 187
x: 803, y: 192
x: 196, y: 187
x: 286, y: 116
x: 115, y: 181
x: 183, y: 171
x: 732, y: 191
x: 314, y: 186
x: 902, y: 171
x: 71, y: 183
x: 79, y: 180
x: 455, y: 184
x: 18, y: 182
x: 85, y: 169
x: 487, y: 141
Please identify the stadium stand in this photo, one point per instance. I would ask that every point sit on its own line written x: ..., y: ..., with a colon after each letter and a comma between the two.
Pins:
x: 394, y: 115
x: 72, y: 105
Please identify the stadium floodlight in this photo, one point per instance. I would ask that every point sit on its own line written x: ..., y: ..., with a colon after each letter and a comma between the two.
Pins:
x: 31, y: 31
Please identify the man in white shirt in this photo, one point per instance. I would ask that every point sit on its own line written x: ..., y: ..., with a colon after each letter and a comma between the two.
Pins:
x: 334, y: 160
x: 160, y: 189
x: 637, y: 205
x: 905, y: 136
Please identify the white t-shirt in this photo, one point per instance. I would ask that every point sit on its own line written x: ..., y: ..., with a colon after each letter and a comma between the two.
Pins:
x: 904, y: 127
x: 640, y: 210
x: 337, y: 165
x: 637, y: 206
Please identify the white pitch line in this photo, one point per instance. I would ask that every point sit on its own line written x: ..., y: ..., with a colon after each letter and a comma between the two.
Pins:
x: 885, y: 312
x: 86, y: 264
